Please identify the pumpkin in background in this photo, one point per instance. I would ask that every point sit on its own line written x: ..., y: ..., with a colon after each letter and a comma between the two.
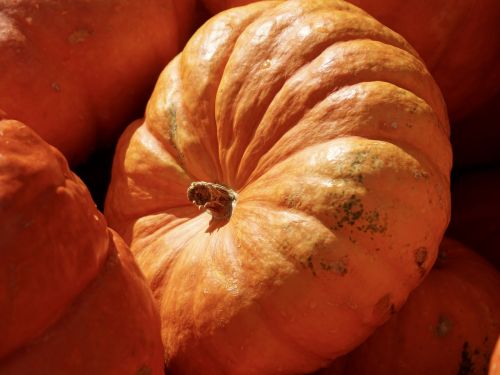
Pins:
x: 72, y: 299
x: 495, y: 360
x: 77, y: 71
x: 457, y: 40
x: 315, y: 143
x: 448, y: 326
x: 474, y: 217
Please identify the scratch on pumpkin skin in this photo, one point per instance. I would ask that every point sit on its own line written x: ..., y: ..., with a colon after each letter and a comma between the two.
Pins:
x: 172, y: 131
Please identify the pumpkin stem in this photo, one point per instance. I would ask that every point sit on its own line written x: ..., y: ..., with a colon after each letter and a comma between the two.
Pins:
x: 218, y: 199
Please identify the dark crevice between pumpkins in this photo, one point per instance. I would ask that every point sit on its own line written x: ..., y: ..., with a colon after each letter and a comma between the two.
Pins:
x: 218, y: 199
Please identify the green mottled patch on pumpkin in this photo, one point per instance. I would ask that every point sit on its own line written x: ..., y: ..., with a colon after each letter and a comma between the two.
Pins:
x: 352, y: 212
x: 348, y: 212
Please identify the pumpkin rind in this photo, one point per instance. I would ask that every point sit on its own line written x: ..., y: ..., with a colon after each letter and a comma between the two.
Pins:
x: 76, y: 71
x: 457, y: 40
x: 334, y: 138
x: 448, y: 326
x: 72, y: 299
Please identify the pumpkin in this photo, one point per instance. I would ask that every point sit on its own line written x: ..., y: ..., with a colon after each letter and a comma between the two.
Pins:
x: 448, y: 326
x: 287, y: 189
x: 76, y: 71
x: 72, y: 299
x: 495, y: 360
x: 474, y: 218
x: 457, y: 40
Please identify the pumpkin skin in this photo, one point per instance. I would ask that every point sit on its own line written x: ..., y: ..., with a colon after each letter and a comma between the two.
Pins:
x: 448, y: 326
x: 77, y: 71
x: 457, y: 40
x: 72, y: 299
x: 495, y: 360
x: 334, y: 145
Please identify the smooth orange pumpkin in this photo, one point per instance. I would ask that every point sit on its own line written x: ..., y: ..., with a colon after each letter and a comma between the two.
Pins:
x: 77, y: 71
x: 448, y: 326
x: 314, y: 146
x: 72, y: 299
x: 457, y: 40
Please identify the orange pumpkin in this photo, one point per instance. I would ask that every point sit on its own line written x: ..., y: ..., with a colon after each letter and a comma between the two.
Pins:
x: 448, y: 326
x: 72, y: 299
x: 495, y: 360
x: 314, y: 146
x: 76, y: 71
x: 457, y: 40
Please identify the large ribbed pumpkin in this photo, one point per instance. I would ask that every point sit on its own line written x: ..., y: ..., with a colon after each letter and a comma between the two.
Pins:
x: 76, y: 71
x: 72, y: 299
x: 458, y: 40
x: 448, y: 326
x: 287, y: 189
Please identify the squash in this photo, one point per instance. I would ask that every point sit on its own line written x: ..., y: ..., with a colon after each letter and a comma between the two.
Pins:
x: 77, y: 71
x: 457, y: 40
x: 448, y: 326
x: 287, y: 189
x: 72, y: 299
x: 495, y: 360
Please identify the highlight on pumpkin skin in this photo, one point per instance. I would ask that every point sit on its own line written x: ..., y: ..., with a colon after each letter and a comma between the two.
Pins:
x: 335, y: 139
x: 72, y: 299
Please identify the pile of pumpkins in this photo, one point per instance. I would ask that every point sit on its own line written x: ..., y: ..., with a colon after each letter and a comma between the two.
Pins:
x: 281, y: 197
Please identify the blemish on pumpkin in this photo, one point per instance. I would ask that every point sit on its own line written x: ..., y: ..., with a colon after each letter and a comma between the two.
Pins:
x: 444, y: 326
x: 144, y: 370
x: 266, y: 64
x: 442, y: 258
x: 420, y: 258
x: 55, y: 87
x: 466, y: 365
x: 310, y: 265
x: 339, y: 267
x: 420, y: 174
x: 352, y: 212
x: 79, y: 36
x: 383, y: 306
x: 348, y: 212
